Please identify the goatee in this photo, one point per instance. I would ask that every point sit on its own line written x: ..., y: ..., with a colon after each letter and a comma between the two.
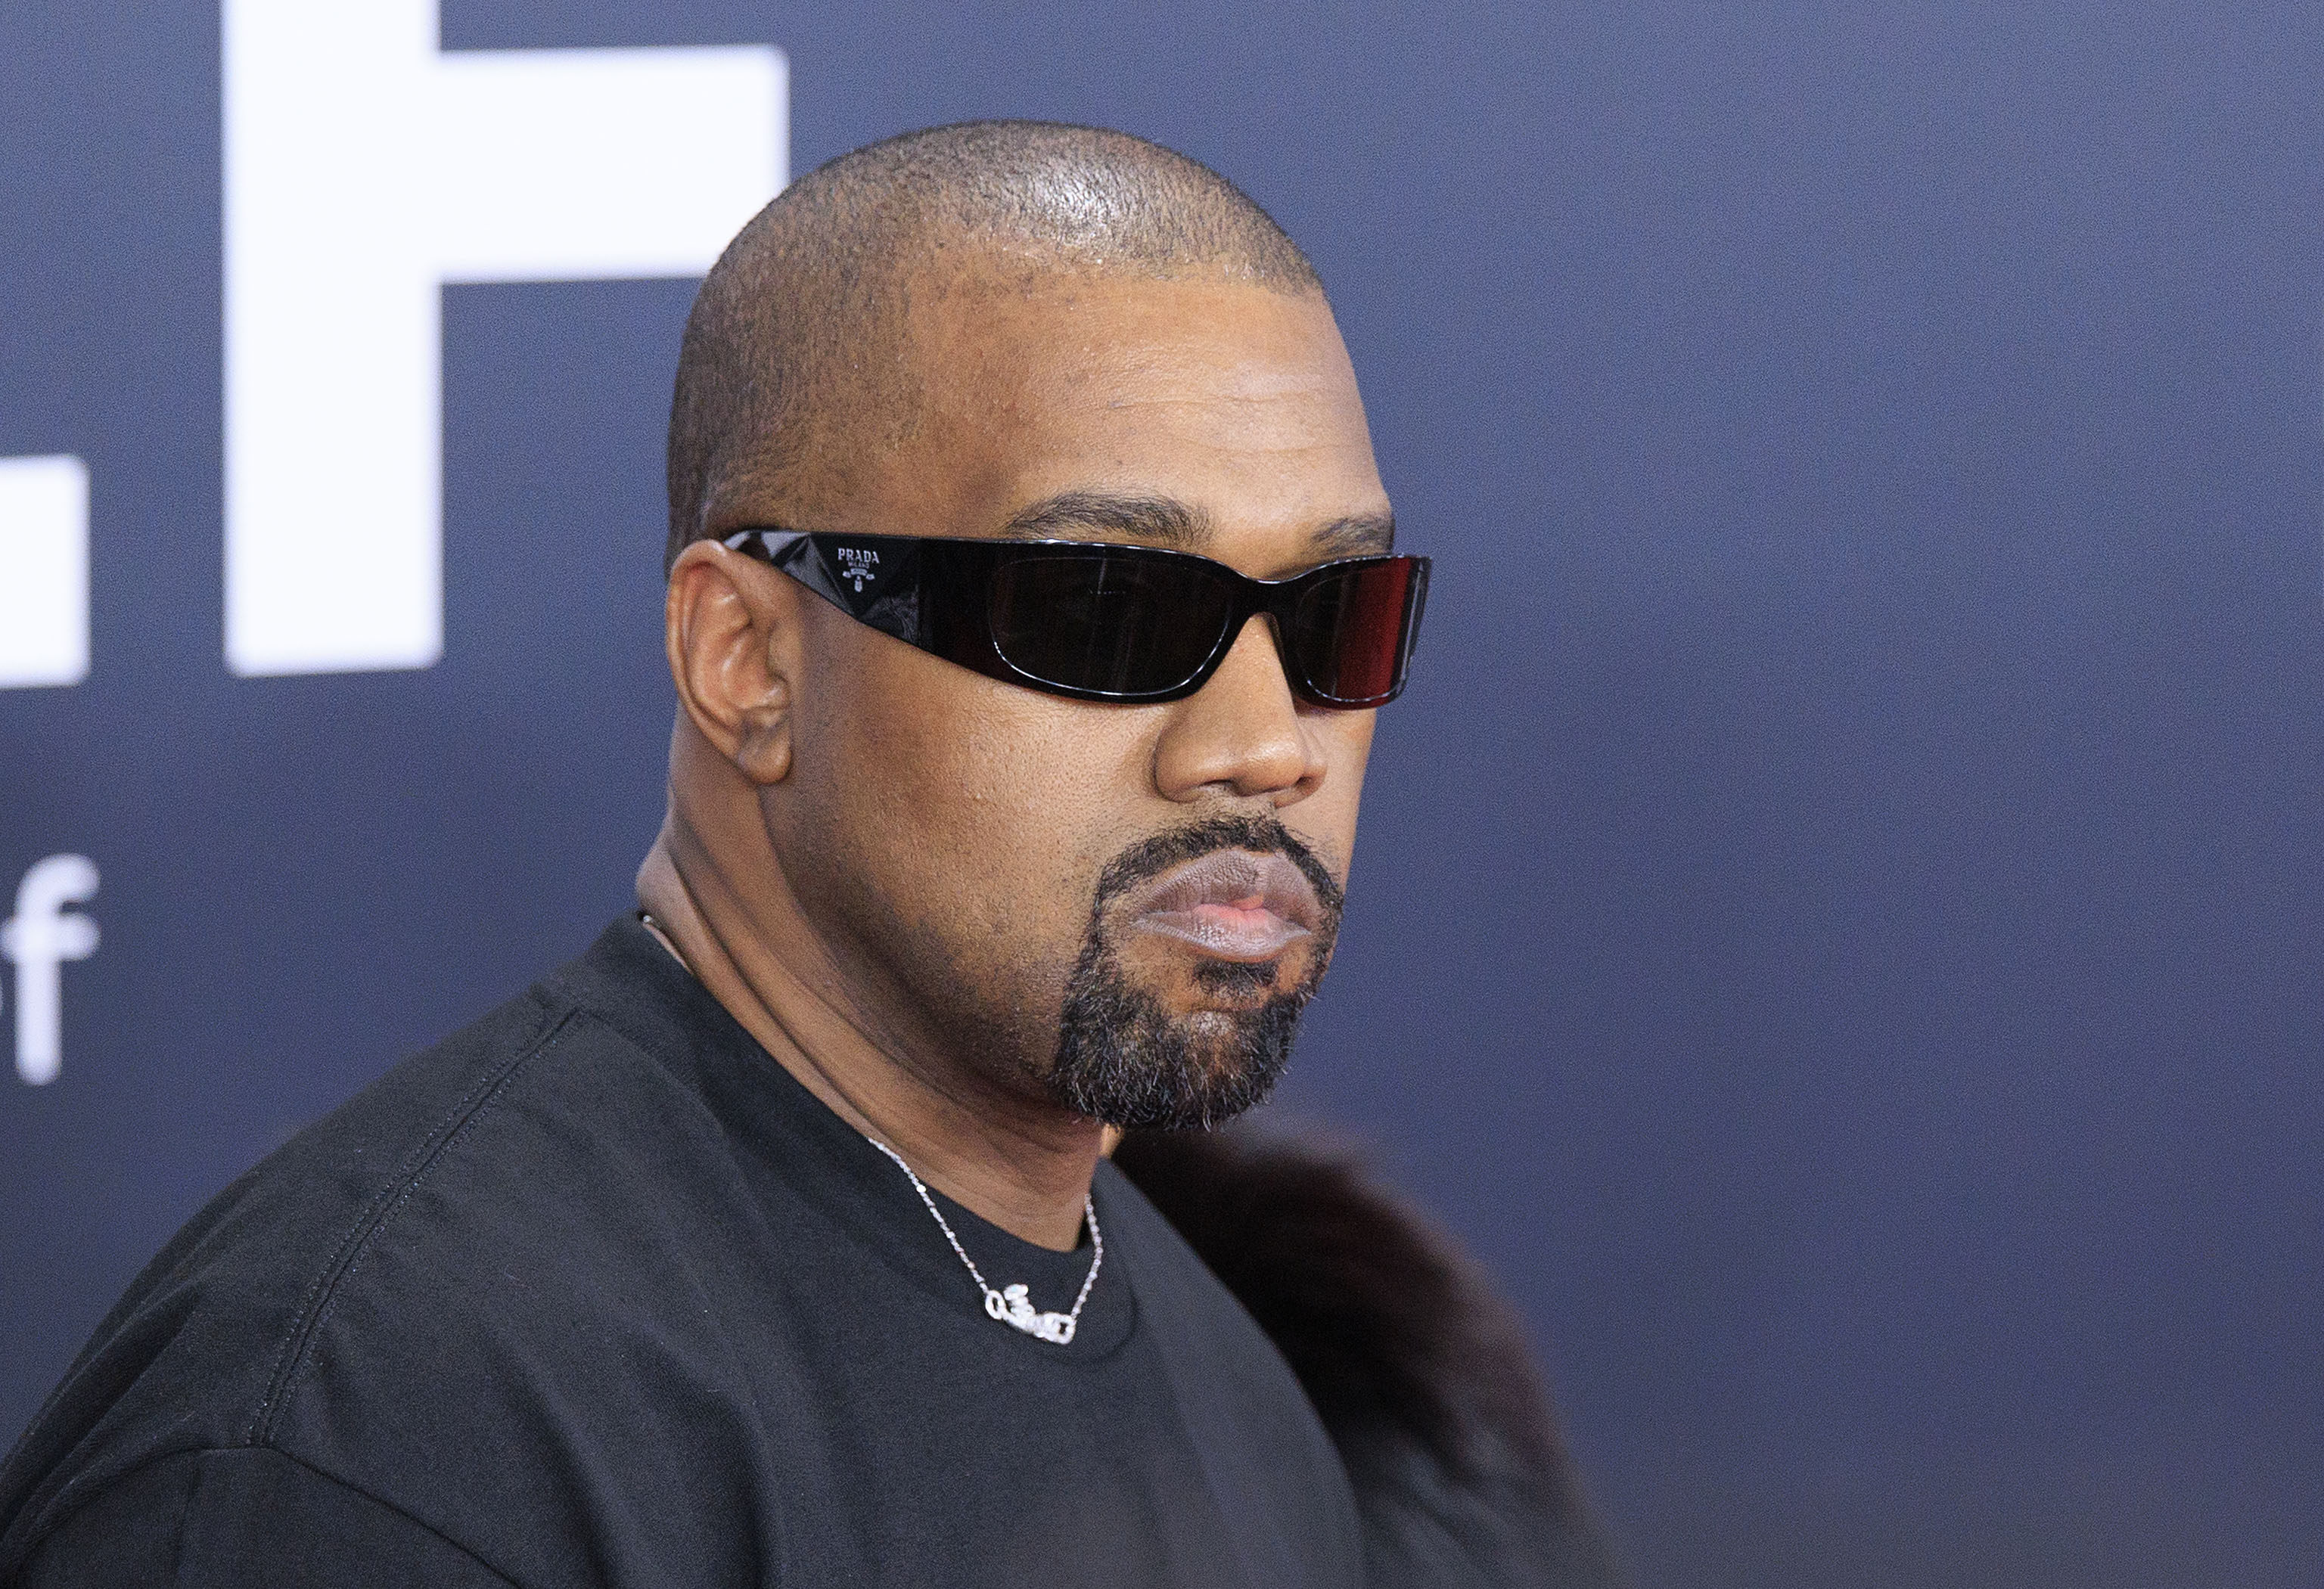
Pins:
x: 1125, y: 1058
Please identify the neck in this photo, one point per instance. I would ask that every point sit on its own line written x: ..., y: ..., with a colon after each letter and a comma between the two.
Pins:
x: 1022, y: 1163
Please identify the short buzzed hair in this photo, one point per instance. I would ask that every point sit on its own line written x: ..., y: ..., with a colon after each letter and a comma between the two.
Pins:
x: 797, y: 343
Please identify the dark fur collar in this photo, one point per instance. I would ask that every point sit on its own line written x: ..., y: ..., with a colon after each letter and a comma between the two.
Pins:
x: 1419, y: 1370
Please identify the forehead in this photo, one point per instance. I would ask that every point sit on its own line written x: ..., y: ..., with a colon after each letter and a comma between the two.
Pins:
x: 1237, y: 402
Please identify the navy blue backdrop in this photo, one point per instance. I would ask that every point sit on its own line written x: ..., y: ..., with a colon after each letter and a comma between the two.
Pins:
x: 1837, y: 925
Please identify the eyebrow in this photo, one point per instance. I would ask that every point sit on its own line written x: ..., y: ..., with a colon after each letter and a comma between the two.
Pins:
x: 1169, y: 522
x: 1165, y: 519
x: 1359, y: 535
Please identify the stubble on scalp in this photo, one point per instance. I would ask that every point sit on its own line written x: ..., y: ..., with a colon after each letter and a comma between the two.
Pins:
x: 799, y: 373
x: 1126, y: 1059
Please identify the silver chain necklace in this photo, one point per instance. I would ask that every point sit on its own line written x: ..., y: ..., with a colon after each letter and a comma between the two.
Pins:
x: 1012, y: 1305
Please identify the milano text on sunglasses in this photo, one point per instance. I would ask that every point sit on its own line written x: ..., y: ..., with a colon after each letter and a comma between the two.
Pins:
x: 1103, y: 622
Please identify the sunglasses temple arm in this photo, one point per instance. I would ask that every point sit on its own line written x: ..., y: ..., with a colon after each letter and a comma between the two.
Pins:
x: 792, y: 551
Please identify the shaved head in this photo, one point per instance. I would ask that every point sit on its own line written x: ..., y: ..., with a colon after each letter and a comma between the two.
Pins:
x: 976, y: 917
x: 800, y: 365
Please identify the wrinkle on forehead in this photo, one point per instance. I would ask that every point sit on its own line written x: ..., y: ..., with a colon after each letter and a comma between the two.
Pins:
x: 1163, y: 404
x: 1152, y: 346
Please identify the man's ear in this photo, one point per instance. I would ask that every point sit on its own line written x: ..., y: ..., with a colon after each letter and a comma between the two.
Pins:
x: 732, y: 627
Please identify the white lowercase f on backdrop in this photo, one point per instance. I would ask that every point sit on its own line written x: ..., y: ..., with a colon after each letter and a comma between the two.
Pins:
x: 364, y: 168
x: 39, y: 938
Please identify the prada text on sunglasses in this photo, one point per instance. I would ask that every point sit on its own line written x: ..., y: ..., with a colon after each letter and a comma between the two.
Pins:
x: 1101, y: 621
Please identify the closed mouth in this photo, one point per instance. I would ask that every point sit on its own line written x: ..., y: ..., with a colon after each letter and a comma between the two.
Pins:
x: 1232, y: 904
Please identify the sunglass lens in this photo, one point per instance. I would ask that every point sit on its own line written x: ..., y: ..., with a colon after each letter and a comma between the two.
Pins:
x: 1116, y: 625
x: 1347, y: 631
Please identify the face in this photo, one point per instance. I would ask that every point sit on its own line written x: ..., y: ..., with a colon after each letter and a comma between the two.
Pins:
x: 1121, y: 908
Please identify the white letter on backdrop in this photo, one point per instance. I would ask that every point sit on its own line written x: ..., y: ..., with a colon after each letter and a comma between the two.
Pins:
x: 43, y: 571
x: 40, y: 938
x: 364, y: 168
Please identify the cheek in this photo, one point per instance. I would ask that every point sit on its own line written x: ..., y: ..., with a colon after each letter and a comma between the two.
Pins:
x: 953, y: 829
x: 977, y: 813
x: 1326, y: 819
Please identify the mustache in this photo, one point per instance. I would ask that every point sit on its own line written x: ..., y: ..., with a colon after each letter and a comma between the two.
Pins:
x: 1262, y: 835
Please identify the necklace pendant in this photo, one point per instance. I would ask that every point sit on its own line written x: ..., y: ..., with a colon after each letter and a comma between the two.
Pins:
x: 1014, y: 1305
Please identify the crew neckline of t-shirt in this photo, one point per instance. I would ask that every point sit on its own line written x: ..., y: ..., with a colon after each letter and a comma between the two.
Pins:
x: 630, y: 980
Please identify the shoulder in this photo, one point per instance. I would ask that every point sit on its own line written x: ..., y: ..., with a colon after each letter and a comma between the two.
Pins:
x: 338, y: 1265
x: 191, y: 1519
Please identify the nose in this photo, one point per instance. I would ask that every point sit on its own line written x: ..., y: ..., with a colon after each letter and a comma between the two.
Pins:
x: 1243, y: 732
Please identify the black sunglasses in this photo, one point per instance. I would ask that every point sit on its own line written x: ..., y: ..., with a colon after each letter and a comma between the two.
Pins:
x: 1101, y: 621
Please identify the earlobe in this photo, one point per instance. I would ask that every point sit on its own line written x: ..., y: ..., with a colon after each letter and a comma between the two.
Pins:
x: 766, y: 754
x: 731, y: 632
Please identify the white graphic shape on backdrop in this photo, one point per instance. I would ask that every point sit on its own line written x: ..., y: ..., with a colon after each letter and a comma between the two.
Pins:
x: 366, y: 168
x: 40, y: 938
x: 43, y: 572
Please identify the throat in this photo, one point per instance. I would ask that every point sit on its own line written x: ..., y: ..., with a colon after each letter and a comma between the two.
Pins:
x: 1022, y: 1162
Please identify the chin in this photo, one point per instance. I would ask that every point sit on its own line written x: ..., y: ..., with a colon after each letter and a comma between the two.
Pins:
x: 1232, y: 985
x: 1125, y: 1058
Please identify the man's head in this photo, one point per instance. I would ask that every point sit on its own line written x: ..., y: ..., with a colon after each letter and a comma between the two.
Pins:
x: 1013, y: 330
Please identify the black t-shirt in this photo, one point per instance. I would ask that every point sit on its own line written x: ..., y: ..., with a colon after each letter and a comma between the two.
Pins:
x: 596, y: 1293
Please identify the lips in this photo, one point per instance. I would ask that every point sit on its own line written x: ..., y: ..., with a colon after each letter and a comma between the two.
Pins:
x: 1232, y: 904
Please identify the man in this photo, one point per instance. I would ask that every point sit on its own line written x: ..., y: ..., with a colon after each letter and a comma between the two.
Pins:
x: 1030, y: 595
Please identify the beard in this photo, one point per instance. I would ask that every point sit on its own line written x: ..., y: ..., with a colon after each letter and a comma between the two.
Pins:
x: 1125, y: 1058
